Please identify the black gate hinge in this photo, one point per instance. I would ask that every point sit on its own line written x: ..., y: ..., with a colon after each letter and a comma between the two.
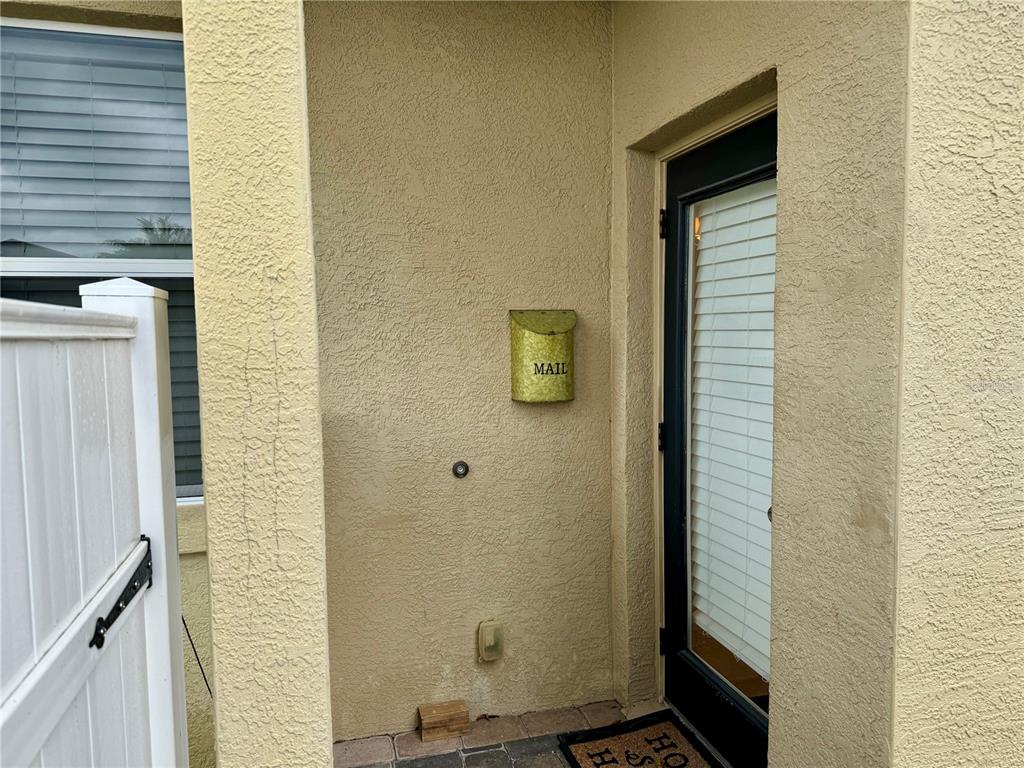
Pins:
x: 661, y: 436
x: 663, y: 223
x: 141, y: 577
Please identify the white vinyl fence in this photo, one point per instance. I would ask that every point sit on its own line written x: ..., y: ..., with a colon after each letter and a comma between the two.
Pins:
x: 91, y: 670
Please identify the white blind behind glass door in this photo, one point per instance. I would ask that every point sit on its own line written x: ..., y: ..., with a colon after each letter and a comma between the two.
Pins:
x: 731, y: 419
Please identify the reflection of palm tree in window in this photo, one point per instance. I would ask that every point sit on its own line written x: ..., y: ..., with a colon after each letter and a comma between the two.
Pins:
x: 169, y: 239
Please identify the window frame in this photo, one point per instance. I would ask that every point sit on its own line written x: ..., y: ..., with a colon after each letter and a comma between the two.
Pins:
x: 99, y: 267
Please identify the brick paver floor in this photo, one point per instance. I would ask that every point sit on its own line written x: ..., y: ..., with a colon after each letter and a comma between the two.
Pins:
x: 526, y: 741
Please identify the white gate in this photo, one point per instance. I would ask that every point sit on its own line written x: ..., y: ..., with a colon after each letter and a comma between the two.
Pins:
x: 91, y: 669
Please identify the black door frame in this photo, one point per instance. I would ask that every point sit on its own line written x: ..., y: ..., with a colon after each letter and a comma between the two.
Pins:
x: 727, y: 719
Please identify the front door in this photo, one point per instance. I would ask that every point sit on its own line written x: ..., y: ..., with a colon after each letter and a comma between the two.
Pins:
x: 719, y: 297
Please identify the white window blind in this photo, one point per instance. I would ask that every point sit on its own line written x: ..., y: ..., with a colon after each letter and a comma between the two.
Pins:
x: 94, y: 147
x: 731, y: 412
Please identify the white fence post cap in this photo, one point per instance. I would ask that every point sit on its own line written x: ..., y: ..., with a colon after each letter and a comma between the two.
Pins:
x: 121, y: 286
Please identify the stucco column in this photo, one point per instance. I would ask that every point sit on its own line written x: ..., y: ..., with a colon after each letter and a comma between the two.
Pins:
x: 959, y: 645
x: 635, y: 596
x: 259, y: 389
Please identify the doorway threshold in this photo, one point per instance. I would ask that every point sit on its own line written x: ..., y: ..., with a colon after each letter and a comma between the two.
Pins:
x: 700, y: 737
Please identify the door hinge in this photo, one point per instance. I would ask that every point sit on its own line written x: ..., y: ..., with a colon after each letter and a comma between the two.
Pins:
x: 662, y: 640
x: 661, y: 436
x: 141, y: 577
x: 663, y: 223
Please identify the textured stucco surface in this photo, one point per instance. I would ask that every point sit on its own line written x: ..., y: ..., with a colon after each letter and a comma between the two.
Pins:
x: 463, y: 159
x: 258, y: 378
x: 959, y: 689
x: 164, y: 15
x: 195, y: 608
x: 460, y: 169
x: 634, y: 543
x: 841, y: 71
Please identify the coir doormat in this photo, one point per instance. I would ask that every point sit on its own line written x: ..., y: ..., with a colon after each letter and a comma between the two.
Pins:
x: 659, y: 740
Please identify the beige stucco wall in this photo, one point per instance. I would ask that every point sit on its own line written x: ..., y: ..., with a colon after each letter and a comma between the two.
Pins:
x: 959, y: 698
x: 162, y: 15
x: 841, y: 70
x: 258, y: 380
x: 195, y: 608
x: 460, y: 169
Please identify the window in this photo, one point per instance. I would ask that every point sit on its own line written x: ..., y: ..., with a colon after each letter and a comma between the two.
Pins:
x: 95, y: 182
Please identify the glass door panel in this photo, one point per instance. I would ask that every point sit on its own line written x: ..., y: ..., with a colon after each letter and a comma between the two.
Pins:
x: 731, y: 298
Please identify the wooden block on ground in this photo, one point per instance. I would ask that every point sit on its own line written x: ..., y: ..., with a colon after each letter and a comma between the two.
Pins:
x: 443, y: 720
